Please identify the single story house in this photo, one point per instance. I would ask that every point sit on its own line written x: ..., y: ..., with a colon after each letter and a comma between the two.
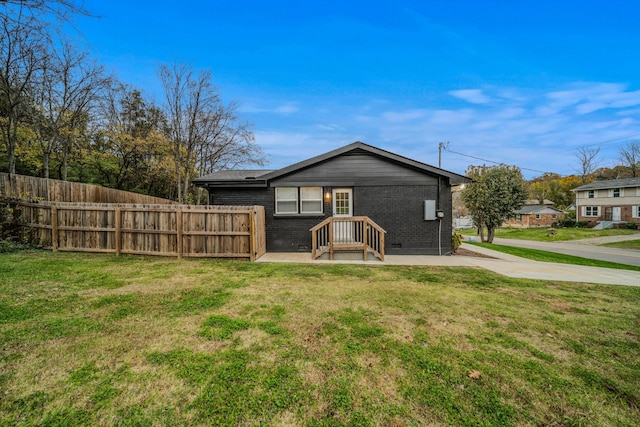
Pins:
x: 534, y: 214
x: 615, y: 201
x: 408, y: 200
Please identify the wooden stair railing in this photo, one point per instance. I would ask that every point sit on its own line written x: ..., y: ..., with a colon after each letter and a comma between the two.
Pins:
x: 356, y: 233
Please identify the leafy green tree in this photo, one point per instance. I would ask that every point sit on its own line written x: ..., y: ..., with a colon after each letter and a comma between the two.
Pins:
x: 493, y: 196
x: 554, y: 187
x: 130, y: 151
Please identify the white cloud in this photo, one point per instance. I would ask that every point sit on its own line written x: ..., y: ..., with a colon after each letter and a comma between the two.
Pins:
x: 403, y: 116
x: 473, y: 96
x: 587, y: 98
x: 282, y: 109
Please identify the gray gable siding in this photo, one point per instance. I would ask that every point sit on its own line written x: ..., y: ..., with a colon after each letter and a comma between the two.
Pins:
x: 359, y: 170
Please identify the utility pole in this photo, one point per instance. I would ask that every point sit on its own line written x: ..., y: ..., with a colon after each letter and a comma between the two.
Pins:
x: 441, y: 146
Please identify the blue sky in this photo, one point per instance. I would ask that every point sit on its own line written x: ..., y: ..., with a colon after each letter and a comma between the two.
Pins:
x: 518, y: 82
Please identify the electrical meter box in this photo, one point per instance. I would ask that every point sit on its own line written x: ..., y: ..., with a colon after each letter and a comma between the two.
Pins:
x: 430, y: 210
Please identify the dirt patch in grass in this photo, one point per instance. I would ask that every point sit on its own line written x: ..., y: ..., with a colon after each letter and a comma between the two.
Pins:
x: 468, y: 253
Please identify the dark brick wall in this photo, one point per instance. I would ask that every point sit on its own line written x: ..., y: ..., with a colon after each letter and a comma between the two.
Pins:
x: 399, y: 209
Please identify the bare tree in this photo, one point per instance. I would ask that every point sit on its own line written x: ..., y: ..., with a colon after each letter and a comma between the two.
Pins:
x: 204, y: 132
x: 229, y: 142
x: 69, y: 84
x: 630, y: 157
x: 130, y: 150
x: 23, y: 47
x: 587, y: 162
x: 26, y: 36
x: 61, y: 10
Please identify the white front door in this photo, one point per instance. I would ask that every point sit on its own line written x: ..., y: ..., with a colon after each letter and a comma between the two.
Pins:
x: 342, y: 208
x: 616, y: 213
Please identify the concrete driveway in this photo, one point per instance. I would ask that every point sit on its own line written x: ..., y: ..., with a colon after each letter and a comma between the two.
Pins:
x: 504, y: 264
x: 512, y: 266
x: 586, y: 248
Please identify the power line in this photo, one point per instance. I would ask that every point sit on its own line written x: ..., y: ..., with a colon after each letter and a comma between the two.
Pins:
x: 446, y: 147
x: 492, y: 161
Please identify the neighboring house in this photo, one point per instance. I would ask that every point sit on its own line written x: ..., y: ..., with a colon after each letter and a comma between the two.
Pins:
x: 614, y: 201
x: 533, y: 215
x: 410, y: 200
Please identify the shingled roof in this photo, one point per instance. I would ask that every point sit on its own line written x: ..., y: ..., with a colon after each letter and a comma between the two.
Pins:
x: 611, y: 183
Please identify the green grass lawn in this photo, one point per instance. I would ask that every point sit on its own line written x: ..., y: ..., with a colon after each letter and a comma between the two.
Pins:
x: 542, y: 235
x: 138, y: 341
x: 546, y: 256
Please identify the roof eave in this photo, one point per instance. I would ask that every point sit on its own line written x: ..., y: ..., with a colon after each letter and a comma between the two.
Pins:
x: 257, y: 183
x: 454, y: 178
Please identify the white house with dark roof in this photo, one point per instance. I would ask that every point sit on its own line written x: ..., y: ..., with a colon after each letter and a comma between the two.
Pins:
x: 610, y: 202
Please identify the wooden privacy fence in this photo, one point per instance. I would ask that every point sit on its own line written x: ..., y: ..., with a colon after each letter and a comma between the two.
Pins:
x: 169, y: 230
x: 34, y: 188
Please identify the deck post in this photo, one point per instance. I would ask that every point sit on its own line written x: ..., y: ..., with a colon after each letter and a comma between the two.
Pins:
x: 365, y: 233
x: 331, y: 239
x: 314, y: 243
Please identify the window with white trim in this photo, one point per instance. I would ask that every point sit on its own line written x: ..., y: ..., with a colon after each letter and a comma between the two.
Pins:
x: 616, y: 192
x: 518, y: 217
x: 310, y: 200
x: 287, y: 200
x: 537, y: 216
x: 635, y: 211
x: 299, y: 200
x: 591, y: 194
x: 591, y: 211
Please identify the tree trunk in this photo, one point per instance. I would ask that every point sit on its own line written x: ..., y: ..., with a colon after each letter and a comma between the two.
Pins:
x: 65, y: 164
x: 46, y: 157
x: 12, y: 138
x: 12, y: 163
x: 178, y: 179
x: 481, y: 232
x: 491, y: 231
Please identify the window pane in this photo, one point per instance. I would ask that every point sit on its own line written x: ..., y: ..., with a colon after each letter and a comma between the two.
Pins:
x: 286, y: 207
x: 311, y: 206
x: 311, y: 193
x: 286, y: 193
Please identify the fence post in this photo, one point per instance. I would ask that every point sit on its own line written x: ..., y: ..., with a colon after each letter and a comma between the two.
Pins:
x: 54, y: 228
x: 252, y: 234
x: 118, y: 231
x: 179, y: 230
